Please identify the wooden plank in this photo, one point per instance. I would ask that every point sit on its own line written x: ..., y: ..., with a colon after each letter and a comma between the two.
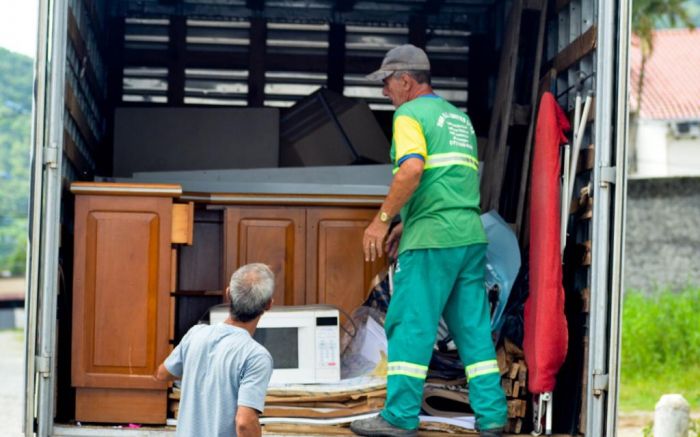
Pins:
x: 514, y: 370
x: 507, y: 385
x: 126, y: 189
x: 76, y: 113
x: 496, y: 153
x: 586, y: 300
x: 586, y: 261
x: 578, y: 48
x: 81, y: 51
x: 183, y: 223
x: 516, y: 407
x: 83, y: 167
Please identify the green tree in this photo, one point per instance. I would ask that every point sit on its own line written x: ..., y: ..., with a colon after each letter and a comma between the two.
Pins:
x: 15, y: 125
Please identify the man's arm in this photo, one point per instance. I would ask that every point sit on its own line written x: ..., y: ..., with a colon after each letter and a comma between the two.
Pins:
x: 251, y: 395
x: 247, y: 422
x: 162, y: 374
x: 403, y: 185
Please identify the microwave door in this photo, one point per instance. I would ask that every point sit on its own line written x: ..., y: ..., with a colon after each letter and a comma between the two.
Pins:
x: 290, y: 341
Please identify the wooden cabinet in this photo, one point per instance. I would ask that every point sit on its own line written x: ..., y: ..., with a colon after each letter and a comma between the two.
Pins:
x: 315, y: 252
x: 337, y: 273
x: 121, y: 302
x: 128, y: 290
x: 274, y: 236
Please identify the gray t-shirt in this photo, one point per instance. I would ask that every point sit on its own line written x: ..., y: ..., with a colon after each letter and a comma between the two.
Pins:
x: 221, y: 367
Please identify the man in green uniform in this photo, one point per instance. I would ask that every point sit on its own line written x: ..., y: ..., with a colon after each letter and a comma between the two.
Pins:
x: 441, y: 250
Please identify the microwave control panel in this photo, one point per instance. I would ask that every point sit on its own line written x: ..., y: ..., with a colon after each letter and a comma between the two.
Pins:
x: 327, y: 343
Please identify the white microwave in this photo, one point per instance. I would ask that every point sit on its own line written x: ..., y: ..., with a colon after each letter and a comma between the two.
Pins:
x: 304, y: 342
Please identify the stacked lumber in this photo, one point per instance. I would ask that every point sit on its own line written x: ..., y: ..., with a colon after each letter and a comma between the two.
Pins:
x: 174, y: 402
x: 511, y: 363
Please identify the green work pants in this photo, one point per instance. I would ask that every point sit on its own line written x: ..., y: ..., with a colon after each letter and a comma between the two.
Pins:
x: 430, y: 283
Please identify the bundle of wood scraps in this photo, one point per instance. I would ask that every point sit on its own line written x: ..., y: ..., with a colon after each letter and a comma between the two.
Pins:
x: 511, y: 363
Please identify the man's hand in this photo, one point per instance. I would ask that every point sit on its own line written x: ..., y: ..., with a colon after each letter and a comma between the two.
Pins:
x: 392, y: 242
x: 373, y: 240
x: 247, y: 422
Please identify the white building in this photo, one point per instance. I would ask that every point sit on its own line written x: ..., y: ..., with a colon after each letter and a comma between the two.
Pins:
x: 666, y: 134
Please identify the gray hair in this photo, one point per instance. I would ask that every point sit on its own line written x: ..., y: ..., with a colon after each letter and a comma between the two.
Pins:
x: 420, y: 76
x: 250, y: 291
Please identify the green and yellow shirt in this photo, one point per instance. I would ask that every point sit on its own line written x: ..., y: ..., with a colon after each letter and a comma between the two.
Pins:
x: 444, y: 210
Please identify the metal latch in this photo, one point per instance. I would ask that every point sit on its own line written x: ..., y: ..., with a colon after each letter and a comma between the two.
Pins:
x: 608, y: 175
x: 42, y: 364
x: 600, y: 383
x: 51, y: 157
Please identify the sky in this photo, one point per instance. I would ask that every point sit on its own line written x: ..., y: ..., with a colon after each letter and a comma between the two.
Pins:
x: 18, y: 26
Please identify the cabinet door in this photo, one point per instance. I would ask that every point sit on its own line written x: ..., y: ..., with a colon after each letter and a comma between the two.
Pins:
x: 274, y: 236
x: 121, y: 291
x: 337, y: 273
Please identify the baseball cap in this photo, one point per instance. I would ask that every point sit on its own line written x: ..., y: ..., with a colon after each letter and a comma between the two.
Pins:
x: 401, y: 58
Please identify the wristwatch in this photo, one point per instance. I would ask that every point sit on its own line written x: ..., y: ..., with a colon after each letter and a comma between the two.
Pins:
x: 384, y: 217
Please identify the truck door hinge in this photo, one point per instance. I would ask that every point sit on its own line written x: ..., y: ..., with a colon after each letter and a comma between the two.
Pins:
x: 51, y: 157
x: 608, y: 175
x: 42, y: 365
x: 600, y: 383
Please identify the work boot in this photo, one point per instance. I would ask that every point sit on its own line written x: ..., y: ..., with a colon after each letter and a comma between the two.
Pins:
x: 494, y: 432
x: 378, y: 427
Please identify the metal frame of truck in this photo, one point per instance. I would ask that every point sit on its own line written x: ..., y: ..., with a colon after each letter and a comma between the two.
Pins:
x: 610, y: 76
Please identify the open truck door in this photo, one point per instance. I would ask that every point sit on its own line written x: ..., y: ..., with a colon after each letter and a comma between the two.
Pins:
x: 609, y: 192
x: 44, y: 224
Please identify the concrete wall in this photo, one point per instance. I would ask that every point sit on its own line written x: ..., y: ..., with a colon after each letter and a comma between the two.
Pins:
x: 662, y: 233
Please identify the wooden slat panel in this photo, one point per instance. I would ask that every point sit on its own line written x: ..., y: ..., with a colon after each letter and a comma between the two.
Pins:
x: 80, y: 119
x: 76, y: 158
x: 578, y: 48
x: 81, y: 50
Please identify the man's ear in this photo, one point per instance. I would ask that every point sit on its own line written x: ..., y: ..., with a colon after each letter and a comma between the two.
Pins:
x: 269, y: 304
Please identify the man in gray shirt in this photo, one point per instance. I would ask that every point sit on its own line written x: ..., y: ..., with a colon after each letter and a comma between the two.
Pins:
x: 224, y: 371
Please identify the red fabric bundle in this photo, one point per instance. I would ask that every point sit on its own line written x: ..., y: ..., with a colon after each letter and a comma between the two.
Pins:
x: 546, y: 336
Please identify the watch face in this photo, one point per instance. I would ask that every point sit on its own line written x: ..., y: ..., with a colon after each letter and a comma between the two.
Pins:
x: 384, y: 217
